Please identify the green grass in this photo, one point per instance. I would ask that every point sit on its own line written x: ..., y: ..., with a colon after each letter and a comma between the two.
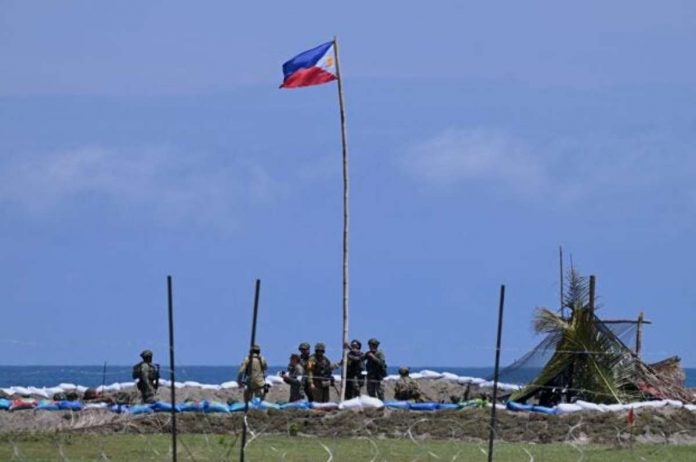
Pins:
x: 156, y: 447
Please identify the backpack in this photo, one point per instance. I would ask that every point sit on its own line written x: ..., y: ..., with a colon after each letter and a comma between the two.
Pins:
x: 136, y: 371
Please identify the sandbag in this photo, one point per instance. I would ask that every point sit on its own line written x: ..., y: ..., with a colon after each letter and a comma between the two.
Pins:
x: 566, y: 408
x: 302, y: 404
x: 162, y: 406
x: 140, y: 409
x: 87, y: 406
x: 5, y: 404
x: 518, y: 407
x: 190, y: 406
x: 236, y: 407
x: 423, y: 406
x: 19, y: 405
x: 47, y: 405
x: 396, y: 404
x: 448, y: 406
x: 587, y: 406
x: 324, y: 406
x: 544, y: 410
x: 70, y: 405
x: 214, y: 406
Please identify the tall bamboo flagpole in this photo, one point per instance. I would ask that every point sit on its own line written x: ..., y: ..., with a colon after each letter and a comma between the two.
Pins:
x: 346, y: 216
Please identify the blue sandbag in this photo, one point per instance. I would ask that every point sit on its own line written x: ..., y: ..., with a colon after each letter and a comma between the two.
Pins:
x: 190, y: 406
x: 236, y: 407
x: 213, y: 406
x: 302, y: 404
x: 397, y: 404
x: 517, y: 407
x: 69, y: 405
x: 46, y: 405
x: 423, y: 406
x: 266, y: 405
x: 162, y: 406
x: 119, y: 408
x: 448, y: 406
x: 545, y: 410
x: 140, y: 409
x: 5, y: 404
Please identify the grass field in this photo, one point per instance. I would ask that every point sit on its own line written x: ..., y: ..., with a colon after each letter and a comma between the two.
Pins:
x: 198, y: 447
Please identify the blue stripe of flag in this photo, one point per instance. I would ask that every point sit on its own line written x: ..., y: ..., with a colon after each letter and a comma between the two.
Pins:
x: 306, y: 59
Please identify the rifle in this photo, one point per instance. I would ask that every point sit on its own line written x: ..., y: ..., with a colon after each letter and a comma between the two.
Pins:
x: 157, y: 376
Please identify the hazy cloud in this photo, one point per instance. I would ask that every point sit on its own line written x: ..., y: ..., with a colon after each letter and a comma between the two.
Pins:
x: 171, y: 187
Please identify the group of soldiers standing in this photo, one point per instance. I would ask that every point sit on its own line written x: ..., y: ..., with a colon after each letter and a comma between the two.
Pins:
x: 310, y: 376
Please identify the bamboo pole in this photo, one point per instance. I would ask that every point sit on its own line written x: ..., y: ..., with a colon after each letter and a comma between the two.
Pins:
x: 242, y: 447
x: 592, y: 293
x: 346, y: 216
x: 560, y: 258
x: 491, y: 435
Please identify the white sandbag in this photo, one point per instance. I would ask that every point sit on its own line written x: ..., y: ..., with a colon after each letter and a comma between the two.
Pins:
x: 428, y: 374
x: 690, y: 407
x: 368, y: 402
x: 614, y: 407
x: 68, y: 386
x: 126, y: 385
x: 39, y: 392
x: 361, y: 402
x: 566, y: 408
x: 209, y: 386
x: 179, y: 384
x: 165, y: 383
x: 274, y: 380
x: 190, y: 383
x: 450, y: 376
x: 80, y: 389
x: 9, y: 391
x: 649, y: 404
x: 113, y: 387
x: 22, y: 391
x: 391, y: 377
x: 53, y: 390
x: 674, y: 403
x: 587, y: 406
x: 416, y: 375
x: 351, y: 404
x: 229, y: 385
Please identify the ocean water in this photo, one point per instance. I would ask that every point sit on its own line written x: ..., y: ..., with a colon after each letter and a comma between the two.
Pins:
x: 93, y: 376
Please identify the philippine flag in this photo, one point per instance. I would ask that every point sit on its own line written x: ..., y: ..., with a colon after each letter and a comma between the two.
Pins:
x: 312, y: 67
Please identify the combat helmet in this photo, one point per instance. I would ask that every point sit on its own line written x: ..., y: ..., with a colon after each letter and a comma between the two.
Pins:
x: 303, y: 346
x: 357, y: 342
x: 256, y: 349
x: 146, y: 354
x: 320, y: 347
x: 404, y: 371
x: 373, y: 341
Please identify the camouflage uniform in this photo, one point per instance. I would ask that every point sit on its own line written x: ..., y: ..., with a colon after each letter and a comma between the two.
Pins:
x: 294, y: 378
x: 147, y: 376
x: 406, y: 389
x: 319, y: 369
x: 376, y: 366
x: 354, y: 370
x: 304, y: 360
x: 255, y: 377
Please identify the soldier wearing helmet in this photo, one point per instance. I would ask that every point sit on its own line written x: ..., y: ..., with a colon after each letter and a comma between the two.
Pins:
x: 406, y: 389
x: 319, y: 375
x: 252, y: 374
x: 304, y: 360
x: 376, y: 367
x: 147, y: 377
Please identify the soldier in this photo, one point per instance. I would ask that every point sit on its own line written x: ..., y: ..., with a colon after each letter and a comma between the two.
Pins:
x: 252, y: 376
x: 147, y: 377
x: 376, y: 366
x: 293, y: 377
x: 319, y: 375
x: 304, y: 360
x: 354, y: 370
x: 406, y: 389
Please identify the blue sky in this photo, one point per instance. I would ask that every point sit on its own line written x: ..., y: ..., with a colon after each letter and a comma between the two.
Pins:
x: 144, y: 139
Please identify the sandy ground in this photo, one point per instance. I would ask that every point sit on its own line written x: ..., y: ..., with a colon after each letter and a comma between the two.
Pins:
x: 677, y: 426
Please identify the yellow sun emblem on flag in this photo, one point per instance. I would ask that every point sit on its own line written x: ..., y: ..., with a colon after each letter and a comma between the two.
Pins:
x: 329, y: 61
